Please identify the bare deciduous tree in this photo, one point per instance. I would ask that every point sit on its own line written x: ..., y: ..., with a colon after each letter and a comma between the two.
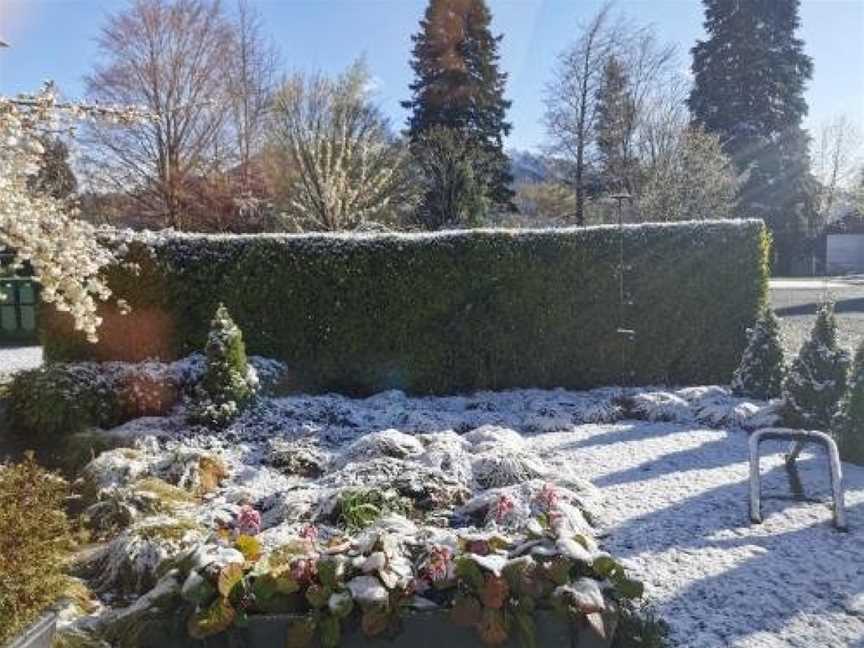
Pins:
x: 570, y: 98
x: 573, y: 98
x: 836, y: 161
x: 251, y: 84
x: 346, y: 163
x: 170, y: 57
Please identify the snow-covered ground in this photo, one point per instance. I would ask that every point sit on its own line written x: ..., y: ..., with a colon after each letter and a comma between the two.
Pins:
x: 17, y: 358
x: 669, y: 471
x: 675, y: 509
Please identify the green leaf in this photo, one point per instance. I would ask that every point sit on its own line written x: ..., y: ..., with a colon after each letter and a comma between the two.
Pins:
x: 286, y: 585
x: 469, y: 572
x: 212, y: 620
x: 527, y: 631
x: 327, y: 570
x: 318, y: 595
x: 264, y: 587
x: 629, y: 588
x: 607, y: 567
x: 230, y: 576
x: 329, y: 631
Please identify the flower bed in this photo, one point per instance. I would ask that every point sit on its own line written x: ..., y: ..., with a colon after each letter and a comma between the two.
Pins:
x: 320, y: 507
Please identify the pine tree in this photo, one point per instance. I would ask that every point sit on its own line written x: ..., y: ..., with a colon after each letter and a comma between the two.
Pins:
x: 229, y: 382
x: 750, y: 76
x: 616, y: 116
x: 452, y: 193
x: 55, y: 177
x: 817, y: 378
x: 760, y: 374
x: 848, y: 425
x: 458, y: 85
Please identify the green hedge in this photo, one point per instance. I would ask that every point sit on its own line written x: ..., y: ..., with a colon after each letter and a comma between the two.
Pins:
x: 447, y: 312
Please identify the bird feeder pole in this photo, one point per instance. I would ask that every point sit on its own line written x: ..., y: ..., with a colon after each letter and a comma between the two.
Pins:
x: 626, y: 334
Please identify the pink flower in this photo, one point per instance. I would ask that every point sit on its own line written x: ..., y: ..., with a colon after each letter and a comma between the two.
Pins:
x: 502, y: 508
x: 303, y: 570
x: 439, y: 565
x: 309, y: 532
x: 548, y: 497
x: 479, y: 547
x: 248, y: 521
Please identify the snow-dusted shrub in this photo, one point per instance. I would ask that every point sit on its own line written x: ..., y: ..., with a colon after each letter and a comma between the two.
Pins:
x: 848, y: 423
x: 362, y: 313
x: 61, y: 399
x: 67, y: 398
x: 760, y: 374
x: 817, y: 378
x: 229, y: 380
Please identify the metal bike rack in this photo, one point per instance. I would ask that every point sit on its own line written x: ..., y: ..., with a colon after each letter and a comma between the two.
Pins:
x: 800, y: 438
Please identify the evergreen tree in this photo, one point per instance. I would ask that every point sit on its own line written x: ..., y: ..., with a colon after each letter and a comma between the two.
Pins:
x: 750, y: 76
x: 760, y: 374
x: 848, y: 424
x: 458, y: 85
x: 229, y: 382
x: 817, y: 378
x: 55, y: 177
x: 453, y: 196
x: 616, y: 117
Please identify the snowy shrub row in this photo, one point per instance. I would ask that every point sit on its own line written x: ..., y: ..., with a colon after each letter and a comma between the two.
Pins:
x: 450, y: 311
x: 66, y: 398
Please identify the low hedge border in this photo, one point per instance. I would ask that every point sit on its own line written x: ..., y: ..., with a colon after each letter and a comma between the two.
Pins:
x: 446, y: 312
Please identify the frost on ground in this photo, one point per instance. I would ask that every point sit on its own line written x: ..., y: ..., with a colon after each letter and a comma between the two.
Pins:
x: 675, y: 509
x: 660, y: 476
x: 14, y: 359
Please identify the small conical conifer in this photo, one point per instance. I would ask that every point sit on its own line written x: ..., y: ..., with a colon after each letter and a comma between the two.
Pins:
x: 760, y: 374
x: 229, y: 382
x: 848, y: 424
x: 817, y: 378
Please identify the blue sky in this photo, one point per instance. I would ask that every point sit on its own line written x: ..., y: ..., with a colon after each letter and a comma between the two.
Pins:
x: 54, y: 39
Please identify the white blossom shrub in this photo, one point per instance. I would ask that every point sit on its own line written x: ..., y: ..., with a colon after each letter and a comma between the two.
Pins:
x: 229, y: 380
x: 41, y: 229
x: 817, y: 378
x: 760, y: 374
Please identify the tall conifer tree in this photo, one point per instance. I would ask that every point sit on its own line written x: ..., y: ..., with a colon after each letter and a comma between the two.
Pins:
x: 750, y: 76
x: 616, y: 118
x: 458, y: 85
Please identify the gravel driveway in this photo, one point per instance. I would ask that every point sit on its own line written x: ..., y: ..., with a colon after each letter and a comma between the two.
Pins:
x: 795, y: 301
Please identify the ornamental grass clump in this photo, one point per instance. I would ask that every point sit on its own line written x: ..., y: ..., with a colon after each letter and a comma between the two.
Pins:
x: 817, y: 377
x: 229, y: 382
x: 848, y: 424
x: 34, y: 544
x: 760, y: 374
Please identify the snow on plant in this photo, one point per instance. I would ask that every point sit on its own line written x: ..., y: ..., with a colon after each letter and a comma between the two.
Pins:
x: 229, y: 381
x: 760, y: 374
x: 848, y: 424
x: 44, y: 231
x: 372, y: 580
x: 817, y: 378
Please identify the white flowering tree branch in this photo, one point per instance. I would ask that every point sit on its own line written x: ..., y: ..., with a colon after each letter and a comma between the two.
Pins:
x: 63, y: 251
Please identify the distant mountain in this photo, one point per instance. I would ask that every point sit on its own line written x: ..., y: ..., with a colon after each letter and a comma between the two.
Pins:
x: 528, y: 167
